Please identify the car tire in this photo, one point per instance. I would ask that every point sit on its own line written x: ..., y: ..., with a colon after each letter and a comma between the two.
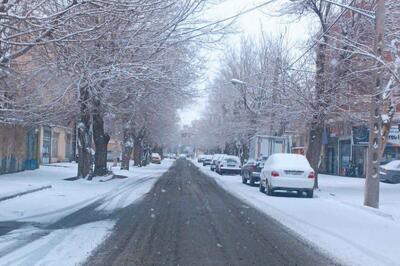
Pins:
x: 310, y: 193
x: 252, y: 181
x: 261, y: 188
x: 269, y: 190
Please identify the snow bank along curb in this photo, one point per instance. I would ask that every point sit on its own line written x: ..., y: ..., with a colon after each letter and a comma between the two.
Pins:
x: 24, y: 193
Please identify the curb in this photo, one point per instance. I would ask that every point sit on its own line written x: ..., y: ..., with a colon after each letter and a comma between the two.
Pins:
x: 24, y: 193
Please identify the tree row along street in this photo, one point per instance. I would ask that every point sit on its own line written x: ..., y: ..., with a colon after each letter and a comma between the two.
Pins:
x: 187, y: 219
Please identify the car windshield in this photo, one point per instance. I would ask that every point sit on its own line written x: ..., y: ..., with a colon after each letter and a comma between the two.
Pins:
x: 231, y: 161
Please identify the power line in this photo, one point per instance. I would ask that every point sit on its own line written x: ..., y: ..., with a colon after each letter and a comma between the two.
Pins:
x: 236, y: 15
x: 290, y: 67
x: 322, y: 35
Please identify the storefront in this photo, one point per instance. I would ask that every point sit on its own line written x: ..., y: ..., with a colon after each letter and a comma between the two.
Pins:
x: 360, y: 149
x: 332, y: 156
x: 337, y: 149
x: 344, y: 156
x: 392, y: 150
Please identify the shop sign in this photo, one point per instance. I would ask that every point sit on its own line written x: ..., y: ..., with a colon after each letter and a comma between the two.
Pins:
x: 394, y: 135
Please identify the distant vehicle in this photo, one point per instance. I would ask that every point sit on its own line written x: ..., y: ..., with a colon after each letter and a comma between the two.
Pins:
x: 207, y: 160
x: 290, y: 172
x: 251, y: 171
x: 182, y: 155
x: 228, y: 164
x: 155, y: 158
x: 390, y: 172
x: 263, y: 146
x: 200, y: 158
x: 214, y: 161
x: 170, y: 156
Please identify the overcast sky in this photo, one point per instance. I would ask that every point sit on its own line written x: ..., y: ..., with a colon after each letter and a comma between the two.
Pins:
x: 249, y: 24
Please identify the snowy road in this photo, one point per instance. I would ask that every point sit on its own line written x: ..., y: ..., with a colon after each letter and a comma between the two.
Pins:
x: 187, y: 219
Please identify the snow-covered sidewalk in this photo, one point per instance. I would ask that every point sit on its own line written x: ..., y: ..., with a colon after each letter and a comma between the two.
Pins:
x: 30, y: 243
x: 335, y: 220
x: 65, y: 197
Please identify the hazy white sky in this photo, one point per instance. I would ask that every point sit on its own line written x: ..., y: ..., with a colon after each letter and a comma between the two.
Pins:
x: 249, y: 24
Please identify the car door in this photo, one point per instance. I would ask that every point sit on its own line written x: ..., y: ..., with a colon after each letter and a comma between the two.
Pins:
x: 249, y: 166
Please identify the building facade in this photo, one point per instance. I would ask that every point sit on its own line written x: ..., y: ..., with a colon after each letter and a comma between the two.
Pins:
x: 345, y: 150
x: 19, y: 148
x: 56, y: 144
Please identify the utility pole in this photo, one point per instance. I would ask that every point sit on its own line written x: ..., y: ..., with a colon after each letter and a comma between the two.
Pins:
x: 371, y: 192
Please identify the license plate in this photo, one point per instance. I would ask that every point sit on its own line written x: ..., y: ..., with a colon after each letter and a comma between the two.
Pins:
x: 291, y: 172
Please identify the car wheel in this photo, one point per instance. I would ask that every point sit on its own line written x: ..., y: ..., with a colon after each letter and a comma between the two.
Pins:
x: 251, y: 181
x: 310, y: 193
x: 244, y: 180
x: 261, y: 188
x: 268, y: 190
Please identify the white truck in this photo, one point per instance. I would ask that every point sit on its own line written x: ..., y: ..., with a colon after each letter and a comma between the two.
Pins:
x: 263, y: 146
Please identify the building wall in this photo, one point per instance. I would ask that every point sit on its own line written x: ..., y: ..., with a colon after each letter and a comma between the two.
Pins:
x: 15, y: 154
x: 59, y: 145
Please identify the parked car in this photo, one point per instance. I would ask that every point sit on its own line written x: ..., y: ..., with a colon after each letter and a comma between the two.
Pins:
x: 390, y: 172
x: 228, y: 164
x: 214, y: 161
x: 200, y: 158
x: 290, y: 172
x: 155, y: 158
x: 251, y: 171
x: 207, y: 160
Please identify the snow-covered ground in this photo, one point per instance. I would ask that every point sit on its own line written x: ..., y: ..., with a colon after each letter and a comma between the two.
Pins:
x: 70, y: 246
x: 33, y: 243
x: 65, y: 197
x: 335, y: 219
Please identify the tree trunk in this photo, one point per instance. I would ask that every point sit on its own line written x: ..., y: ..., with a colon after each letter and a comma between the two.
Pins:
x: 127, y: 146
x: 317, y: 124
x: 314, y: 149
x: 101, y: 140
x: 137, y: 152
x: 84, y: 136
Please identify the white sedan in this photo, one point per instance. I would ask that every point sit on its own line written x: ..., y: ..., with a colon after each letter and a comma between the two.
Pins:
x: 290, y: 172
x: 228, y: 164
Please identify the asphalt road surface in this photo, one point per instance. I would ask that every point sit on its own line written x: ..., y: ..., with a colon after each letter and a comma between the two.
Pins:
x: 187, y: 219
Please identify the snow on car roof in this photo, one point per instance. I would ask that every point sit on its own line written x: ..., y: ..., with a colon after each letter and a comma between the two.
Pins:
x: 393, y: 165
x: 231, y: 157
x: 289, y: 159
